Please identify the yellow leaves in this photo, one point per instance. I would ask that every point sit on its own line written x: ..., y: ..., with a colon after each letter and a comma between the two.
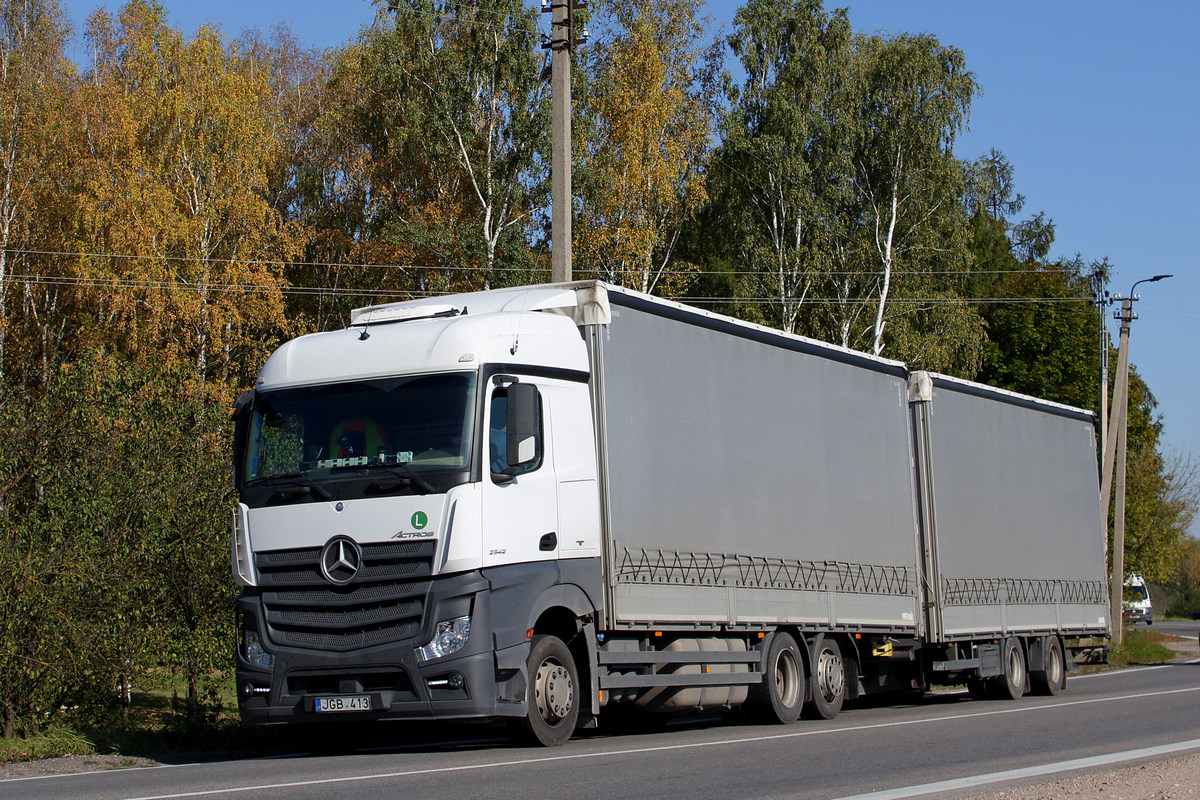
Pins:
x: 182, y: 148
x: 646, y: 153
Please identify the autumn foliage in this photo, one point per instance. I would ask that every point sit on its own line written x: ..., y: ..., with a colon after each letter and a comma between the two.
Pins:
x: 177, y: 203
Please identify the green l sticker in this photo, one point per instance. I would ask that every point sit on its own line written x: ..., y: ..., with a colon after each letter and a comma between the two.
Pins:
x: 419, y: 520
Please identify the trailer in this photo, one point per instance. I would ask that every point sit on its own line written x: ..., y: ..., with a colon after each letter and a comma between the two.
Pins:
x: 559, y: 503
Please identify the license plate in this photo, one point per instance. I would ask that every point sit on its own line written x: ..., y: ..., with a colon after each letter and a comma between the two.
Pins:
x: 346, y: 702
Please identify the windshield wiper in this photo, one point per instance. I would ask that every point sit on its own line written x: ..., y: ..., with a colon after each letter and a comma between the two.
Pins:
x: 303, y: 483
x: 404, y: 472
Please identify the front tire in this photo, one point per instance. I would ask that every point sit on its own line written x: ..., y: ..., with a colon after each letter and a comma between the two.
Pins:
x: 828, y: 681
x: 552, y: 696
x: 780, y: 696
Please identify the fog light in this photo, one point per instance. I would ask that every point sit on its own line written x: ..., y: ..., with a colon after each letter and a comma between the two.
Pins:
x: 454, y: 680
x: 451, y: 636
x: 255, y: 653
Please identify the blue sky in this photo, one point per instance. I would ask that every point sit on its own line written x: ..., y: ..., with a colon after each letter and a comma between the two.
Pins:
x: 1096, y: 105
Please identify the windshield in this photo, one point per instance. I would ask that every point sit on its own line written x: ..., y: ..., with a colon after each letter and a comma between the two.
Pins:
x: 411, y: 426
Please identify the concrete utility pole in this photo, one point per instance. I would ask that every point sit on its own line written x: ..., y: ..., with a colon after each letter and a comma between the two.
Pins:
x: 1118, y: 429
x: 1102, y: 303
x: 561, y: 41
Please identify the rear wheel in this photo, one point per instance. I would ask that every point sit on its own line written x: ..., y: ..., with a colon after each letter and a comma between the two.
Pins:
x: 552, y: 698
x: 828, y: 681
x: 1011, y: 685
x: 780, y: 696
x: 1052, y: 678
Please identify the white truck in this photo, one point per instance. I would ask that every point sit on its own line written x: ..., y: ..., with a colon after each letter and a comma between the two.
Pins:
x: 551, y: 503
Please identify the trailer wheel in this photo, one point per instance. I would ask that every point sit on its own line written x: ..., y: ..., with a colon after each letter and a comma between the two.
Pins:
x: 828, y: 681
x: 1053, y: 678
x: 1011, y: 684
x: 552, y: 697
x: 780, y: 696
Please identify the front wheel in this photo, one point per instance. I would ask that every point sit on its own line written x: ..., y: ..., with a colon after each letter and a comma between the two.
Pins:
x: 552, y: 697
x: 781, y: 694
x: 828, y: 681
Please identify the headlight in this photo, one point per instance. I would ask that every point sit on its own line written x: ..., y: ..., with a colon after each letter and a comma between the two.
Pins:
x: 450, y: 637
x: 254, y: 652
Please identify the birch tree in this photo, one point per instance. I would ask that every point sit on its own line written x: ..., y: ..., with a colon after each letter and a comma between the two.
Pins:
x: 461, y: 90
x: 35, y: 80
x: 180, y: 147
x: 784, y: 168
x: 914, y: 94
x: 646, y: 128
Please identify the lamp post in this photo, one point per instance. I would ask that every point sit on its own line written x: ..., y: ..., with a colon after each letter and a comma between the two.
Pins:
x: 1118, y: 428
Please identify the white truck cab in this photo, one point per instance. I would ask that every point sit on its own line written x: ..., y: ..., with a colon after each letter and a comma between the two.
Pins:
x: 367, y: 460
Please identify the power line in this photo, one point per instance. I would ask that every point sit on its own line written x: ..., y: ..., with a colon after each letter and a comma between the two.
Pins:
x: 452, y: 268
x: 226, y: 288
x: 133, y: 283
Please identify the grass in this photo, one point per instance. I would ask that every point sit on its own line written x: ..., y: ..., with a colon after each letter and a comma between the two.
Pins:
x: 58, y: 740
x: 156, y: 725
x: 1142, y: 646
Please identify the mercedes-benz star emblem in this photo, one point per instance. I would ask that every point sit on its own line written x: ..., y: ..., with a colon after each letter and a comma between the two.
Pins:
x: 341, y: 560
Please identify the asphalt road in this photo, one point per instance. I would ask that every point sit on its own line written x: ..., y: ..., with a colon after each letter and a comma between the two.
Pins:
x: 902, y: 750
x: 1184, y: 629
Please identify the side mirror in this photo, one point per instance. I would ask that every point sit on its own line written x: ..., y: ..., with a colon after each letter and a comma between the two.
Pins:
x: 524, y: 425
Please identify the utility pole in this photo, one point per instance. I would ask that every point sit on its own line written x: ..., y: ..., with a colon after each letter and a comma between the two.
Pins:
x: 1118, y: 429
x: 561, y: 42
x: 1102, y: 303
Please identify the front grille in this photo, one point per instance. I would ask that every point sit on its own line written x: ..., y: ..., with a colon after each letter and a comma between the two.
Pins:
x: 384, y: 603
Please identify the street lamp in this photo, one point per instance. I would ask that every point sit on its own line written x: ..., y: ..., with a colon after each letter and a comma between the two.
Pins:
x: 1118, y: 427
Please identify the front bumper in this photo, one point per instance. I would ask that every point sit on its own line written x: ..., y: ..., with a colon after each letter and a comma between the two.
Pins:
x: 474, y: 682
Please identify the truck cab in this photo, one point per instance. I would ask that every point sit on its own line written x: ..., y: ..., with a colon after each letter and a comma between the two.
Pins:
x: 366, y: 461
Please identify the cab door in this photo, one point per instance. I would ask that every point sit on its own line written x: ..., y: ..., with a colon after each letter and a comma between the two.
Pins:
x: 520, y: 488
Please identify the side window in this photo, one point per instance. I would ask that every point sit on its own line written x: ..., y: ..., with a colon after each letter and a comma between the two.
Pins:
x: 498, y: 438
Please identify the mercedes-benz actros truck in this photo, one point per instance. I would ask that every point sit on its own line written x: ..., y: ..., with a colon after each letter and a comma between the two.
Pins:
x: 551, y: 503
